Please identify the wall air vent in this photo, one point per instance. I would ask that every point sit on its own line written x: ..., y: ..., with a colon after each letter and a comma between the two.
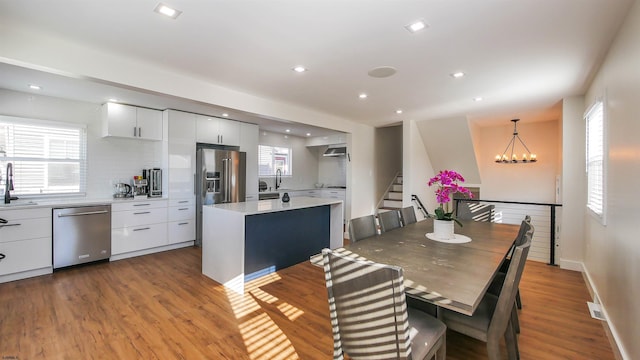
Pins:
x: 335, y: 151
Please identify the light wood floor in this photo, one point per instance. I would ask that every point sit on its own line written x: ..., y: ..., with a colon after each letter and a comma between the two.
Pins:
x: 161, y: 307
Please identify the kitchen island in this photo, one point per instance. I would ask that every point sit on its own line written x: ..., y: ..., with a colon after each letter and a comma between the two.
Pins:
x: 245, y: 240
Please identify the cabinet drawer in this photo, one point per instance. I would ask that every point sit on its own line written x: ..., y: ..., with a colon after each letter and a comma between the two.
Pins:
x: 120, y: 219
x: 25, y: 229
x: 181, y: 231
x: 137, y: 205
x: 182, y: 212
x: 182, y: 202
x: 25, y: 255
x: 136, y: 238
x: 10, y: 215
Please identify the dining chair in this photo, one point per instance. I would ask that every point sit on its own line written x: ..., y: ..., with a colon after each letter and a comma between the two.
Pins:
x: 389, y: 220
x: 493, y: 318
x: 408, y: 215
x: 496, y: 284
x: 362, y: 228
x: 369, y: 316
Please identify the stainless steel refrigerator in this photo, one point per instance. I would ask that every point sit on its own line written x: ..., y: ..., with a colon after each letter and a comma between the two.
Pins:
x: 220, y: 178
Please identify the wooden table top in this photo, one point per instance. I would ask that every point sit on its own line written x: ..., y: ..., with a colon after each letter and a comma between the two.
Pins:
x: 454, y: 276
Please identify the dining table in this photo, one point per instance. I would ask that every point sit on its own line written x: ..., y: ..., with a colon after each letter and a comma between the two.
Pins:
x: 454, y: 276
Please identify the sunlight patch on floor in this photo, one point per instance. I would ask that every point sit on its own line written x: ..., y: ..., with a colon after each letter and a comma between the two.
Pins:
x: 262, y: 336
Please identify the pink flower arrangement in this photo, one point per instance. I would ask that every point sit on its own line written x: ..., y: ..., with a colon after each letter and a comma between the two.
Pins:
x: 447, y: 182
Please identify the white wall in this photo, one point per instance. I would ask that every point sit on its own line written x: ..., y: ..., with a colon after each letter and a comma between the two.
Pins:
x: 612, y: 252
x: 531, y: 182
x: 416, y: 169
x: 305, y: 161
x: 109, y: 160
x: 573, y: 184
x: 388, y: 150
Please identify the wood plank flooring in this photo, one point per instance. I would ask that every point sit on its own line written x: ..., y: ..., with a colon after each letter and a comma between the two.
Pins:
x: 161, y: 307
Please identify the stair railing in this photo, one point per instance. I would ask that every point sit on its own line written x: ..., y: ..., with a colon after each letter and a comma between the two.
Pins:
x: 421, y: 207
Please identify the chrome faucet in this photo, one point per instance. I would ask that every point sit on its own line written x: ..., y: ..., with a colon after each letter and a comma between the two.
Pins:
x: 278, y: 171
x: 8, y: 186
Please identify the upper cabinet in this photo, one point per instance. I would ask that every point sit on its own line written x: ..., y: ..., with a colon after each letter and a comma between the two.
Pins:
x: 213, y: 130
x: 249, y: 135
x: 182, y: 154
x: 131, y: 122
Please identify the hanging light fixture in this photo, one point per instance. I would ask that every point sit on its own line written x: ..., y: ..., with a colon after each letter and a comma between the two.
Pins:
x: 509, y: 155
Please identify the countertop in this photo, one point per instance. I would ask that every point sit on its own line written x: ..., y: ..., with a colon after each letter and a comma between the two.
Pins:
x: 267, y: 206
x: 68, y: 202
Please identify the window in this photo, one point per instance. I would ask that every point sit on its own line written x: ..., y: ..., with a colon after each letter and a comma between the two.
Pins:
x: 49, y: 158
x: 595, y: 157
x: 272, y: 158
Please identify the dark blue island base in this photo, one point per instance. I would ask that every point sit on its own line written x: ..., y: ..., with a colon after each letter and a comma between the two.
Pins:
x: 277, y: 240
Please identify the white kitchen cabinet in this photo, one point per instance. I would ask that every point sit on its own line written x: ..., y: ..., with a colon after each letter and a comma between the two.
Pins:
x: 181, y: 154
x: 25, y: 242
x: 131, y: 122
x: 213, y: 130
x: 182, y: 220
x: 249, y: 136
x: 333, y: 194
x: 137, y: 226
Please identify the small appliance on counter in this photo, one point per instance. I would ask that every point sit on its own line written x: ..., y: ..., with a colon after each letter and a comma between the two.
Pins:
x: 122, y: 190
x: 140, y: 187
x: 154, y: 181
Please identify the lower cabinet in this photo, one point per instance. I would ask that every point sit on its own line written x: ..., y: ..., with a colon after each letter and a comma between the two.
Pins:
x: 182, y: 220
x: 25, y: 243
x: 138, y: 226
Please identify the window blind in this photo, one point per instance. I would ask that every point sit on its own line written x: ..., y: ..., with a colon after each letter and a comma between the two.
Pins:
x: 595, y: 158
x: 49, y: 158
x: 272, y: 158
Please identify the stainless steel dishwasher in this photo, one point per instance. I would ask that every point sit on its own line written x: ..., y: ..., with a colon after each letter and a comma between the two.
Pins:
x: 81, y: 235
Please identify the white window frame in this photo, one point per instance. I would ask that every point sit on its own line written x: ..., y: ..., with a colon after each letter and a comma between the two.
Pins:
x: 596, y: 115
x: 43, y: 159
x: 287, y: 169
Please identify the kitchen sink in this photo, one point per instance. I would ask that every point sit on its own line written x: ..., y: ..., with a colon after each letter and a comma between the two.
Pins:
x: 18, y: 203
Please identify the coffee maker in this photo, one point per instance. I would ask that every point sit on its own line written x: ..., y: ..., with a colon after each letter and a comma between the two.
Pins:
x: 154, y: 181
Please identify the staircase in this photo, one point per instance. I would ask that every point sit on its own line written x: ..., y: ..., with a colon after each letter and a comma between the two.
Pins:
x: 392, y: 199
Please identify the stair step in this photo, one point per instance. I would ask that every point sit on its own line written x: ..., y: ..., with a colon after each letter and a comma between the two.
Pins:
x: 393, y: 195
x: 392, y: 203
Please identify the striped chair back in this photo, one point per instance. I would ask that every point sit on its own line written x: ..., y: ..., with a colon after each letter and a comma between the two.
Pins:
x: 367, y: 307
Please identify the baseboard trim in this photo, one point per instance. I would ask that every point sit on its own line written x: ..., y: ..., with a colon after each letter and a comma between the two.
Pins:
x: 614, y: 339
x: 571, y: 265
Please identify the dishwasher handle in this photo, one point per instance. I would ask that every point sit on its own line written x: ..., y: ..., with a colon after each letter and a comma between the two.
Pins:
x: 84, y: 213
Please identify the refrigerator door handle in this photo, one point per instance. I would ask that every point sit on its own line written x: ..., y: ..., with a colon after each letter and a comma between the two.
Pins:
x: 227, y: 180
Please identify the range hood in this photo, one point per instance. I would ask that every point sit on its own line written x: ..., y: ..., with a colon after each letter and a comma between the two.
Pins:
x: 336, y: 151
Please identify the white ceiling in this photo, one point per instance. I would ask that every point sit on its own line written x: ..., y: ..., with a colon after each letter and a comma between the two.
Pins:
x: 521, y: 56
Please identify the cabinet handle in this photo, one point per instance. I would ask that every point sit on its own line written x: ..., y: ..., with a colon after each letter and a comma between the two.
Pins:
x: 5, y: 225
x: 134, y: 131
x: 2, y: 256
x: 140, y: 229
x: 139, y: 132
x: 183, y: 201
x: 222, y: 139
x: 142, y: 213
x: 84, y: 213
x: 3, y: 221
x: 180, y: 209
x: 184, y: 223
x: 141, y: 204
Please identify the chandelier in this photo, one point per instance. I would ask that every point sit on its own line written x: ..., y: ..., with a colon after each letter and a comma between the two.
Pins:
x: 509, y: 155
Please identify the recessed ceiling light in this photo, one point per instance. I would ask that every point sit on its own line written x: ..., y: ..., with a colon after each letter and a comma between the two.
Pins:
x: 477, y: 99
x: 113, y: 100
x: 415, y: 26
x: 167, y: 11
x: 225, y: 114
x: 288, y: 130
x: 362, y: 96
x: 308, y: 134
x: 458, y: 74
x: 35, y: 87
x: 300, y: 69
x: 399, y: 111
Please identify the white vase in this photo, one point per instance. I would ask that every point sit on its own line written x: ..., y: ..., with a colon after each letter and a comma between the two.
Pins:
x: 443, y: 229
